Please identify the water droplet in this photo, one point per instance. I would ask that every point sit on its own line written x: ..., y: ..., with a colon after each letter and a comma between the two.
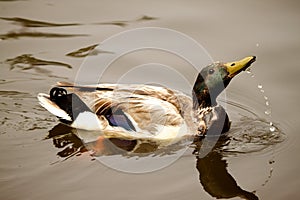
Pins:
x: 257, y: 45
x: 267, y: 103
x: 272, y: 128
x: 252, y: 76
x: 262, y: 91
x: 268, y: 112
x: 265, y: 97
x: 260, y: 86
x: 271, y: 123
x: 248, y: 71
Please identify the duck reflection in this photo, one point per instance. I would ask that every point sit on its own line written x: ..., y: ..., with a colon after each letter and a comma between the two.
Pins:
x: 212, y: 168
x: 63, y: 137
x: 215, y: 178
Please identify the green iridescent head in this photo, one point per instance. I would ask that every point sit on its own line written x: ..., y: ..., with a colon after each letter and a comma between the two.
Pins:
x: 214, y: 78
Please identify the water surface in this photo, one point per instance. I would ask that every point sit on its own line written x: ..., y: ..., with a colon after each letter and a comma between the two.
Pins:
x: 40, y: 159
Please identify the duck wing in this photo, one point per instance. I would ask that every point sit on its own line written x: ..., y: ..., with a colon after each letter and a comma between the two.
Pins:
x: 178, y: 99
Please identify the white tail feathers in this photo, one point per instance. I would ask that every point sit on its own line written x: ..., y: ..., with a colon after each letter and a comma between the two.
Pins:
x: 45, y: 101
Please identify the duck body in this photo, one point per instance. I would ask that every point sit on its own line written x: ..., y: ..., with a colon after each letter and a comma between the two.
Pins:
x: 145, y: 112
x: 123, y: 111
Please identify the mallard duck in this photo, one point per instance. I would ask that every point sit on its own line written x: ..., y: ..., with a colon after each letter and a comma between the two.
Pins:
x: 143, y: 111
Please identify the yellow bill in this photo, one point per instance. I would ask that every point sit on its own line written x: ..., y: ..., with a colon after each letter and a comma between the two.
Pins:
x: 234, y: 68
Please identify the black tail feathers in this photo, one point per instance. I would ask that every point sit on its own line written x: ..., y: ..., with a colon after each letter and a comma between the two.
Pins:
x: 70, y: 103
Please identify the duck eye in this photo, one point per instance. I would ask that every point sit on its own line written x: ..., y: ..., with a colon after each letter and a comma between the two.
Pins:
x: 232, y: 64
x: 211, y: 71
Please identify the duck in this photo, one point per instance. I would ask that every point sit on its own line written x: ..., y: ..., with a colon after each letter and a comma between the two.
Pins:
x: 146, y: 112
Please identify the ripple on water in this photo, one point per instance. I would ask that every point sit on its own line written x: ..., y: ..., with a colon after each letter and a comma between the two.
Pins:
x: 87, y: 51
x: 252, y: 134
x: 35, y: 66
x: 252, y: 129
x: 30, y: 23
x: 20, y: 112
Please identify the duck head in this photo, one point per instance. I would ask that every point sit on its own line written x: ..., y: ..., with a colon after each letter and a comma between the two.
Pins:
x: 214, y: 78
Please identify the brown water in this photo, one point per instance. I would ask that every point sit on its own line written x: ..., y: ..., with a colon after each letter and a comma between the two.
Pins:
x: 43, y: 42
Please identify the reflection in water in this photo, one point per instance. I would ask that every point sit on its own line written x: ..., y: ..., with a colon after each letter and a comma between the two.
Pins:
x: 146, y: 18
x: 35, y: 34
x: 27, y: 61
x: 249, y: 133
x: 32, y: 65
x: 35, y: 23
x: 63, y: 138
x: 14, y: 94
x: 3, y: 81
x: 66, y: 137
x: 29, y: 23
x: 213, y: 174
x: 123, y: 23
x: 87, y: 51
x: 215, y: 178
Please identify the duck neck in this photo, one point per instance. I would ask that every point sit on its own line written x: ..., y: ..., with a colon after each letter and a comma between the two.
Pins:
x: 203, y: 99
x: 203, y: 96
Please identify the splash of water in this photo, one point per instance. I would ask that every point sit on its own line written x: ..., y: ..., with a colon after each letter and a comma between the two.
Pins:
x: 268, y: 110
x: 275, y: 137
